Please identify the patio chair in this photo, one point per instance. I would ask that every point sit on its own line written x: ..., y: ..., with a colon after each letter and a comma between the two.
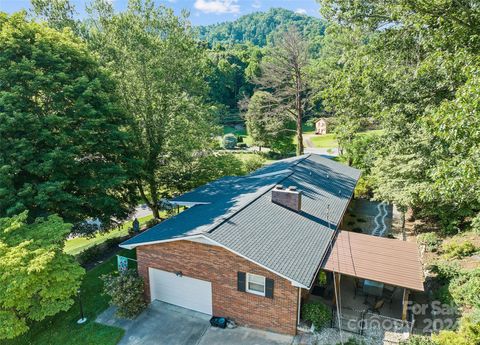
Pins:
x: 358, y: 288
x: 388, y: 292
x: 376, y: 308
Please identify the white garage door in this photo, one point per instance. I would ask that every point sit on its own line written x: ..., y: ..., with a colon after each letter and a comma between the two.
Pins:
x: 183, y: 291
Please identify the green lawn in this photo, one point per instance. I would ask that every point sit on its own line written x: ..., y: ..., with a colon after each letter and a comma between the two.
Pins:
x: 324, y: 141
x: 79, y: 244
x: 62, y: 328
x: 242, y: 133
x: 329, y: 141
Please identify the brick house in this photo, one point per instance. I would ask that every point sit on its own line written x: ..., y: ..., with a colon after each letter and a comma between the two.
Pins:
x: 249, y: 248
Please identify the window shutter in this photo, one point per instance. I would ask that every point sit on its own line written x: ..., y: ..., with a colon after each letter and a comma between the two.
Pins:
x: 269, y: 288
x: 241, y: 281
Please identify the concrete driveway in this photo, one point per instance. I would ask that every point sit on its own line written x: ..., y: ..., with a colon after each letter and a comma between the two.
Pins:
x: 165, y: 324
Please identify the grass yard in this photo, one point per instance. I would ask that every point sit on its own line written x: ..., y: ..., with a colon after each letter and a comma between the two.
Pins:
x: 328, y: 140
x: 63, y: 329
x: 324, y: 141
x: 242, y: 133
x: 79, y: 244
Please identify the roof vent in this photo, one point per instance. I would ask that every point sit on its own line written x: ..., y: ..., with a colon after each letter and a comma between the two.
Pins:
x: 290, y: 198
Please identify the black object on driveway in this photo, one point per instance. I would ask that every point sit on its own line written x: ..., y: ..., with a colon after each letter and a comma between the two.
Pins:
x: 220, y: 322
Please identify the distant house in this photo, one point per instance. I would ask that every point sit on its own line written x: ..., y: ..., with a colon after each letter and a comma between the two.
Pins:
x: 250, y: 248
x: 321, y: 126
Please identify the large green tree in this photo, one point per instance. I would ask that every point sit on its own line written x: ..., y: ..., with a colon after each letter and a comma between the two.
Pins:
x: 63, y: 138
x: 37, y: 278
x: 160, y: 70
x: 265, y: 130
x: 410, y: 66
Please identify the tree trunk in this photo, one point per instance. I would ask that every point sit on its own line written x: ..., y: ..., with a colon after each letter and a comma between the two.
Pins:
x: 152, y: 204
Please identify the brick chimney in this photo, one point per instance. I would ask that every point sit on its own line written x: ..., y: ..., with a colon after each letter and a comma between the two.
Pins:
x: 290, y: 197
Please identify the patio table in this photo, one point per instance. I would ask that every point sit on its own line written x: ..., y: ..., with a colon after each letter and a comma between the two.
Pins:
x: 372, y: 288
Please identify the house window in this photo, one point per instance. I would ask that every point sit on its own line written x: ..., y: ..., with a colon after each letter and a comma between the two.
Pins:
x: 255, y: 284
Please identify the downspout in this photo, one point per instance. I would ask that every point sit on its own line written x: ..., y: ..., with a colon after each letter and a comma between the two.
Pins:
x: 299, y: 305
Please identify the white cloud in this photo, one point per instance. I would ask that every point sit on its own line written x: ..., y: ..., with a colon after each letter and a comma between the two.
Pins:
x: 301, y: 11
x: 256, y: 4
x: 217, y: 6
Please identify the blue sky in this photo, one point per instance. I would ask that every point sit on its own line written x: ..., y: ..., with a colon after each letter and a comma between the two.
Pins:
x: 202, y: 12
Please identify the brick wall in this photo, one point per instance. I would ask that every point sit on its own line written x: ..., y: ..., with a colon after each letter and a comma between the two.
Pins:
x: 220, y: 267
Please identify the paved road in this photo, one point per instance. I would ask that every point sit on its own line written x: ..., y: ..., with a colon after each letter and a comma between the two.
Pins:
x: 141, y: 211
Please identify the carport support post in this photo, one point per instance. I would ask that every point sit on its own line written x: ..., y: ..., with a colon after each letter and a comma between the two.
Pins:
x: 406, y: 294
x: 336, y: 285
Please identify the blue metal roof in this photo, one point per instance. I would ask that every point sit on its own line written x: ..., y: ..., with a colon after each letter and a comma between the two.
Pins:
x: 240, y: 215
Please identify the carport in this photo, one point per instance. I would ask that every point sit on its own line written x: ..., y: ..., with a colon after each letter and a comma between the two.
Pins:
x: 377, y: 261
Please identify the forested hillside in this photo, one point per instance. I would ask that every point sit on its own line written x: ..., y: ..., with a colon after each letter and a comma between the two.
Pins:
x: 258, y: 27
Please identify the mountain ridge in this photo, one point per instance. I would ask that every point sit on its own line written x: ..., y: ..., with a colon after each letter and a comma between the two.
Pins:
x: 258, y: 27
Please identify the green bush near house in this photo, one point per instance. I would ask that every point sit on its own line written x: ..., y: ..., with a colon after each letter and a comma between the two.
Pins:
x: 322, y: 279
x: 97, y: 251
x: 467, y: 334
x: 465, y: 288
x: 126, y: 293
x: 317, y: 313
x: 418, y: 340
x: 458, y: 250
x: 430, y: 240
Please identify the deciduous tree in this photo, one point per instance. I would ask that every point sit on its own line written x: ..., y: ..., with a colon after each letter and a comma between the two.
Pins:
x: 160, y: 73
x: 37, y: 278
x: 63, y: 138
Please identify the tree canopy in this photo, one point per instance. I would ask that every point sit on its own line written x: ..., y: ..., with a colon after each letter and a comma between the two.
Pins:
x: 413, y: 68
x: 64, y: 144
x: 160, y: 71
x: 37, y: 278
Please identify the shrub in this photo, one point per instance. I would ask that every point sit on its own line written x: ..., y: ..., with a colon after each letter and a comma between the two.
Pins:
x: 458, y: 250
x: 467, y: 334
x: 152, y: 222
x: 443, y: 295
x: 445, y: 270
x: 317, y: 313
x: 418, y: 340
x: 253, y: 162
x: 126, y: 293
x: 363, y: 188
x: 96, y: 252
x: 465, y: 288
x: 229, y: 141
x: 430, y: 240
x: 476, y: 224
x: 322, y: 279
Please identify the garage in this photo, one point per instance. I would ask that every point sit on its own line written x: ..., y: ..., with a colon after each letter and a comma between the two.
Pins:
x: 177, y: 289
